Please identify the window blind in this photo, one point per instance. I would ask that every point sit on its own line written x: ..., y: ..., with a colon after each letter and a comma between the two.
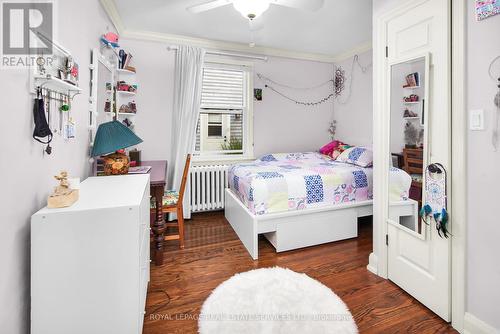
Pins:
x: 223, y: 90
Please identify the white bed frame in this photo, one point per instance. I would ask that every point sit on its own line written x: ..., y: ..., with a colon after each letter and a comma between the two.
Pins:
x: 295, y: 229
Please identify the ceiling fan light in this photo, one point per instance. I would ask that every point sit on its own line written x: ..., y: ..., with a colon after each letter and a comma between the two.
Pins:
x: 251, y: 8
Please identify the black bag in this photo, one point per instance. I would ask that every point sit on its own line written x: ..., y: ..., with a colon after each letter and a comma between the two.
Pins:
x: 42, y: 128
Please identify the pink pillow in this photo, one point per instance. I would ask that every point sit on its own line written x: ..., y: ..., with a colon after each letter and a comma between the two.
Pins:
x: 330, y: 147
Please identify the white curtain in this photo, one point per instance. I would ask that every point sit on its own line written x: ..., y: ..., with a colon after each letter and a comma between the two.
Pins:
x: 187, y: 96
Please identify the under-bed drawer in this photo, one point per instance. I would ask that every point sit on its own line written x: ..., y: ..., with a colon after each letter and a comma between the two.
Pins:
x: 319, y: 228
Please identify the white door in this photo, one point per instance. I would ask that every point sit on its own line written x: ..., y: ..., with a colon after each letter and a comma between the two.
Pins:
x: 418, y: 259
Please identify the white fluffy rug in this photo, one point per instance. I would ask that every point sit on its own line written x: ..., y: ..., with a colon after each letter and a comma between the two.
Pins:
x: 274, y: 300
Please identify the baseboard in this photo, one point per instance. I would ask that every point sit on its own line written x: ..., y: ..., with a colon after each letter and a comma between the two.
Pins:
x: 474, y: 325
x: 372, y: 263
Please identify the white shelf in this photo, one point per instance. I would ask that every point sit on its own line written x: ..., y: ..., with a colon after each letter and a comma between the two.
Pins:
x: 51, y: 82
x: 416, y: 117
x: 124, y: 92
x: 120, y: 113
x: 412, y: 87
x: 124, y: 71
x: 412, y: 102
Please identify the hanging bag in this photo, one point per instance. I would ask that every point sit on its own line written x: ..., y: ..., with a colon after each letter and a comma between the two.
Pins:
x: 42, y: 129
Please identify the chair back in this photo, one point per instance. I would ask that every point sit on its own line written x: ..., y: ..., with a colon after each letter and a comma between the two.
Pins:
x: 184, y: 179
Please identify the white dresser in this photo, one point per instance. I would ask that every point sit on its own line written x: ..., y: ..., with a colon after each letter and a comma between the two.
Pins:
x: 90, y: 262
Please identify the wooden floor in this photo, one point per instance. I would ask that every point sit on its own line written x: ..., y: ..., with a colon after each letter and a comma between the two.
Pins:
x: 214, y: 253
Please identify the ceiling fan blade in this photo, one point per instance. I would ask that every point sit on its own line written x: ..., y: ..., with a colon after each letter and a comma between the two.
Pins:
x: 208, y: 6
x: 311, y: 5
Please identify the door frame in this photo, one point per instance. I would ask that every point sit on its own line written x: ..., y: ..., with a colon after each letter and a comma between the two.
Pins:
x: 378, y: 258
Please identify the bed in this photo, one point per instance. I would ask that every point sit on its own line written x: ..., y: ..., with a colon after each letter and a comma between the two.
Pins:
x: 301, y: 199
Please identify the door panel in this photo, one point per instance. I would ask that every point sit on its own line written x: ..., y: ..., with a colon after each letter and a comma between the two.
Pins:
x: 418, y: 259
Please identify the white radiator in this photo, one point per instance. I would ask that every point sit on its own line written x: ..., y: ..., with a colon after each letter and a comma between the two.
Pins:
x: 206, y: 185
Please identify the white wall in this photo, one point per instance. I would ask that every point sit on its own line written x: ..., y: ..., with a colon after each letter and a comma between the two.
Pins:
x: 279, y: 125
x: 354, y: 114
x: 283, y: 126
x: 155, y: 79
x: 27, y: 175
x: 483, y: 224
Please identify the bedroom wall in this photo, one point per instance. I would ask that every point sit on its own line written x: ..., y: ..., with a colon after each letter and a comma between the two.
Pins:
x: 155, y: 96
x: 354, y: 113
x: 279, y: 125
x: 483, y: 229
x: 27, y: 174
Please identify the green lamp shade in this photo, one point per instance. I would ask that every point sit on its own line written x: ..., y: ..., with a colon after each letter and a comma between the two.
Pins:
x: 113, y: 136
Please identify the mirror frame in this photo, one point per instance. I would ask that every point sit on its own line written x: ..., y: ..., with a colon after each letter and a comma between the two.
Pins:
x: 426, y: 124
x: 96, y: 59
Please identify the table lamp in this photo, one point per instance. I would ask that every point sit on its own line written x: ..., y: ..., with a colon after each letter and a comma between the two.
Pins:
x: 111, y: 137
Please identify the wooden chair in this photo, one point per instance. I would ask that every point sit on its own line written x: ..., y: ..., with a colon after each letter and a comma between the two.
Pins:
x: 177, y: 208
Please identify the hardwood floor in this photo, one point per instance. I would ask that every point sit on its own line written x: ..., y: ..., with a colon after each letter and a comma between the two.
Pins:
x: 214, y: 253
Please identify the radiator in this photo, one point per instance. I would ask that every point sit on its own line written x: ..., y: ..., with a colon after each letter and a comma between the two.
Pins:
x: 206, y: 185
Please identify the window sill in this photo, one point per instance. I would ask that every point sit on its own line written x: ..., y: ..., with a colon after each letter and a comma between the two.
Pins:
x: 213, y: 160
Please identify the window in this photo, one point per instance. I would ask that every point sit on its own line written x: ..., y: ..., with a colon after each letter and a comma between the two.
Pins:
x: 225, y: 124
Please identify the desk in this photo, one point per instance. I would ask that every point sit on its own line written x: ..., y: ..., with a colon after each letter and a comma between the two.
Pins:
x: 158, y: 180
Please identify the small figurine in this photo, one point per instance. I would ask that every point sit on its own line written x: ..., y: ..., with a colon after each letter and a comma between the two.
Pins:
x: 63, y: 195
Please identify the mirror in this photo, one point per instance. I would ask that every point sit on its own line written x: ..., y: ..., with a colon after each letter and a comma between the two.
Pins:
x: 101, y: 100
x: 408, y: 141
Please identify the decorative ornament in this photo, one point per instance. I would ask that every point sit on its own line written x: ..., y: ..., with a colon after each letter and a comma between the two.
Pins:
x: 63, y: 196
x: 339, y: 82
x: 435, y: 199
x: 332, y: 129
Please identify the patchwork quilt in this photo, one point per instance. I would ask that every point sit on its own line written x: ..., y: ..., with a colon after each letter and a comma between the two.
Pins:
x: 297, y: 181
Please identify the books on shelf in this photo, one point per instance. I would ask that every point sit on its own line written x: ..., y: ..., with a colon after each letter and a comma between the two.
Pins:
x: 412, y: 80
x: 124, y: 60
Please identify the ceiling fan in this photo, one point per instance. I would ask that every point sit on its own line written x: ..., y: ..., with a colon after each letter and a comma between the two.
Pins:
x: 251, y: 9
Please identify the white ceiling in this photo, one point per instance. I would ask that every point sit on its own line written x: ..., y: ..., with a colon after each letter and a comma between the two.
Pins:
x: 340, y: 26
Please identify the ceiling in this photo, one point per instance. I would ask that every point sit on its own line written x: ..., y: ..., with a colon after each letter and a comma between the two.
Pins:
x: 338, y: 27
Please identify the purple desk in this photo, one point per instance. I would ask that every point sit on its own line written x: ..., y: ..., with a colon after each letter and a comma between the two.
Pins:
x: 158, y: 180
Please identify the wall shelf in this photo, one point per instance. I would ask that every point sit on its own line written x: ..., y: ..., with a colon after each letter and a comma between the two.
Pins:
x: 415, y: 117
x: 412, y: 87
x: 417, y: 102
x: 124, y: 71
x: 124, y: 92
x: 121, y: 113
x: 55, y: 84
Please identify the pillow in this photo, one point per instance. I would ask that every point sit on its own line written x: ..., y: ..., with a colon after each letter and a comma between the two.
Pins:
x: 341, y: 148
x: 330, y: 147
x: 359, y: 156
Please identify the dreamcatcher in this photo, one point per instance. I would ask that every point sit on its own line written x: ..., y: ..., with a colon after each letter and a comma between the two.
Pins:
x: 435, y: 208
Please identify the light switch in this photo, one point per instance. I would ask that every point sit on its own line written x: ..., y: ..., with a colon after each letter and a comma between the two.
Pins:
x: 476, y: 120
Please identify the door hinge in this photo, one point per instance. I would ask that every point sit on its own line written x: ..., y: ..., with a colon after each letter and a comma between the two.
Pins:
x: 386, y: 52
x: 387, y: 239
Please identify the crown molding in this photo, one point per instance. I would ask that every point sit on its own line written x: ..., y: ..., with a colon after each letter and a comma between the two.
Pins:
x: 112, y: 11
x: 113, y: 14
x: 362, y: 48
x: 225, y: 46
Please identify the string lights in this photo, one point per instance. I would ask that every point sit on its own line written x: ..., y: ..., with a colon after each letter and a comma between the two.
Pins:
x: 337, y: 85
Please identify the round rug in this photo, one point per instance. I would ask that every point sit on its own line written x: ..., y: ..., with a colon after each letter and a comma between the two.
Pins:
x: 274, y: 300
